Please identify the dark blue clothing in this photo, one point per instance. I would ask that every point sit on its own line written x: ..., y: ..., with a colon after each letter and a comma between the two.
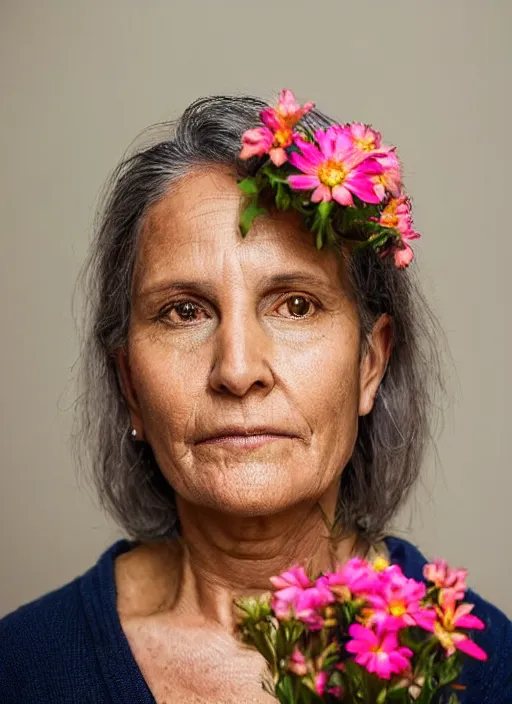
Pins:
x: 68, y: 646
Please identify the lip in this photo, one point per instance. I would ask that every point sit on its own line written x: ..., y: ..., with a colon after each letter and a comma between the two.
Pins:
x: 237, y: 436
x: 245, y: 442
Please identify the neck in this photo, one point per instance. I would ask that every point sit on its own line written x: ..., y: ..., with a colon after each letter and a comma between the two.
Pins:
x: 225, y: 557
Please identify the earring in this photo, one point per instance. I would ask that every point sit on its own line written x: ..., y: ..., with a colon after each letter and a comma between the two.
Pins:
x: 133, y: 433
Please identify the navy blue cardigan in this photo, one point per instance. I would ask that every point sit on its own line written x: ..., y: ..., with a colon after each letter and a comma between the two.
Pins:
x: 68, y: 646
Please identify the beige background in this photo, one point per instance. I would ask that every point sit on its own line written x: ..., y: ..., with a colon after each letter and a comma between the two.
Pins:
x: 80, y: 78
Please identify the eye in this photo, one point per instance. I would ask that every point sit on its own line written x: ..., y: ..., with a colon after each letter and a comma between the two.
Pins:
x: 297, y: 307
x: 183, y: 312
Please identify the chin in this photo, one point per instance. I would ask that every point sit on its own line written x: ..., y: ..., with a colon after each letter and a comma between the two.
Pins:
x: 258, y: 491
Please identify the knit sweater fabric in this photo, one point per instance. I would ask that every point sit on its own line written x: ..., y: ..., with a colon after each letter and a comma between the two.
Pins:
x: 68, y: 647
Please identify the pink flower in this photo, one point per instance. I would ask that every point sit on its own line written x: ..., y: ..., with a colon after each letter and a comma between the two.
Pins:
x: 321, y: 682
x: 256, y: 142
x: 287, y: 113
x: 390, y: 180
x: 357, y: 575
x: 277, y: 135
x: 402, y: 255
x: 445, y: 578
x: 381, y: 654
x: 297, y: 663
x: 311, y: 602
x: 336, y: 691
x: 363, y: 137
x: 298, y: 597
x: 397, y: 604
x: 397, y: 216
x: 450, y: 618
x: 369, y: 142
x: 290, y: 586
x: 294, y: 577
x: 334, y: 169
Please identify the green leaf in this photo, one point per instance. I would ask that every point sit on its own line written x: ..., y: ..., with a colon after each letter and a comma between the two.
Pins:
x: 302, y: 205
x: 407, y: 638
x: 324, y: 209
x: 354, y: 672
x: 249, y: 185
x: 453, y: 699
x: 398, y: 694
x: 283, y: 199
x: 275, y: 174
x: 449, y: 670
x: 356, y: 216
x: 248, y: 215
x: 382, y: 696
x: 331, y: 233
x: 284, y: 690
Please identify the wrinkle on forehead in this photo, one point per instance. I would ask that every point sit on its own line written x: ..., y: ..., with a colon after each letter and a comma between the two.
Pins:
x: 200, y: 216
x: 201, y: 194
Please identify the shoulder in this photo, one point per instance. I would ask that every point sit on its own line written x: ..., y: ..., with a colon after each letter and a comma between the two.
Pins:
x: 41, y: 617
x: 48, y: 642
x: 33, y: 639
x: 492, y: 679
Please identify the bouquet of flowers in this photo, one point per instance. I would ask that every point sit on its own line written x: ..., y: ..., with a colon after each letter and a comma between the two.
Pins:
x: 364, y: 633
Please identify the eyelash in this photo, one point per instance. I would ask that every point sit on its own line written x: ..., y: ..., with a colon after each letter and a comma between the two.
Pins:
x: 316, y: 305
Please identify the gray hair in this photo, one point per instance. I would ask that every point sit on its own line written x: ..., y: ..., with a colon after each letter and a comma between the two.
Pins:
x: 391, y: 440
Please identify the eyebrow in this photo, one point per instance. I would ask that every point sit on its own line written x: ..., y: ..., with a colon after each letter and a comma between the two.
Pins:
x: 168, y: 286
x: 206, y: 289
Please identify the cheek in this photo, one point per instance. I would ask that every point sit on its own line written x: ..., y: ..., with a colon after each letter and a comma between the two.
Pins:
x: 325, y: 375
x: 333, y: 400
x: 168, y: 388
x: 323, y: 383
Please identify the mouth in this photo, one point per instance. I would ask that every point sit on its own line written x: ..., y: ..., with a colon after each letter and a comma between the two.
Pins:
x: 245, y: 441
x: 245, y: 438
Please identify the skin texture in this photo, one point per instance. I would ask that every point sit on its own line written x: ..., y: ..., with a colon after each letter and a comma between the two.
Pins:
x: 264, y: 332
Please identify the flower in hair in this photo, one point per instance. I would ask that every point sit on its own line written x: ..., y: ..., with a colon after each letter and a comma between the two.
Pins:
x: 334, y: 169
x: 345, y: 183
x: 277, y: 132
x: 397, y: 215
x: 363, y: 137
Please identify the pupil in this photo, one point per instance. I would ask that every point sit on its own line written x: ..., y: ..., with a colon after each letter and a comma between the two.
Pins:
x: 186, y: 310
x: 298, y: 305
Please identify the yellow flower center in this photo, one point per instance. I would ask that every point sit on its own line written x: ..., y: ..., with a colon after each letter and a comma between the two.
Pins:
x: 443, y: 636
x: 446, y: 620
x: 388, y: 220
x: 380, y: 564
x: 331, y: 173
x: 283, y: 137
x: 397, y: 608
x: 366, y: 144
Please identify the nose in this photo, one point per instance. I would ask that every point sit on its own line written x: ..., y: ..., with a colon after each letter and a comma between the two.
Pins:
x: 242, y: 359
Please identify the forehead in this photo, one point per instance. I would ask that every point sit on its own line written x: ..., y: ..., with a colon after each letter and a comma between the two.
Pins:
x: 193, y: 229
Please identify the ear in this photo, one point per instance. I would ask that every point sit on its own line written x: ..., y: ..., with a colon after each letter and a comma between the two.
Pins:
x: 375, y: 362
x: 127, y: 388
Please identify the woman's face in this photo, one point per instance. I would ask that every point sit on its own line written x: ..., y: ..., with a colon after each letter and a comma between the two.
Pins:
x: 242, y: 369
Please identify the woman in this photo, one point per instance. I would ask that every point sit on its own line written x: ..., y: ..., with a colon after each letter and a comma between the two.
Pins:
x: 236, y: 393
